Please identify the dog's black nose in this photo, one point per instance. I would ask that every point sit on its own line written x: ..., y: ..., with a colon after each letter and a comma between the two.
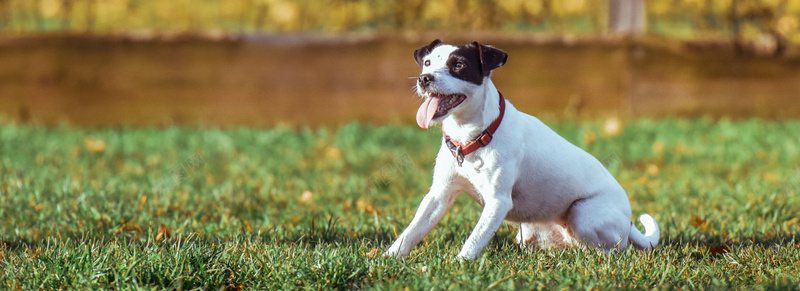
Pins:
x: 425, y: 80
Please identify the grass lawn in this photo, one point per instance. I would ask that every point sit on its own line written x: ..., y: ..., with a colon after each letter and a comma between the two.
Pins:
x: 313, y: 208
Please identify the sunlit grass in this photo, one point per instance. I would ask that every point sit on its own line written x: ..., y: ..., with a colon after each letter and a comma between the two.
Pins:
x: 312, y: 208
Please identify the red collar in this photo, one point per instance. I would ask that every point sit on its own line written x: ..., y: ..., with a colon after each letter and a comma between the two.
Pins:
x: 460, y: 150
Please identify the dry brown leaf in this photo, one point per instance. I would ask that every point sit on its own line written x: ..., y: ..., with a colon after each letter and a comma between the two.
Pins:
x: 94, y: 146
x: 721, y: 249
x: 697, y: 221
x: 128, y: 227
x: 142, y: 201
x: 163, y: 233
x: 372, y: 253
x: 209, y: 179
x: 366, y: 206
x: 792, y: 222
x: 248, y: 227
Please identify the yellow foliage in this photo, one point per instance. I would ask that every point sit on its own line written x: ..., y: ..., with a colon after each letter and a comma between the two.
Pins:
x: 568, y: 7
x: 512, y: 7
x: 659, y: 7
x: 787, y: 24
x: 284, y: 13
x: 110, y: 13
x: 533, y: 7
x: 49, y: 8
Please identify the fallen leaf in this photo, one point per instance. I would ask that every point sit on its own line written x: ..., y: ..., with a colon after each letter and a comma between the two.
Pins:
x: 306, y: 196
x: 234, y: 287
x: 792, y: 222
x: 721, y: 249
x: 367, y: 207
x: 128, y: 227
x: 697, y: 221
x: 163, y: 233
x: 209, y: 179
x: 94, y: 146
x: 372, y: 253
x: 142, y: 201
x: 247, y: 226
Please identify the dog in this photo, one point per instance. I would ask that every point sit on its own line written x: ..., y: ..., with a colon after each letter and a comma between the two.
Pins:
x: 513, y: 165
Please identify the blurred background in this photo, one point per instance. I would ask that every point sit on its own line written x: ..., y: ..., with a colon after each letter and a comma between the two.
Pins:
x: 262, y: 62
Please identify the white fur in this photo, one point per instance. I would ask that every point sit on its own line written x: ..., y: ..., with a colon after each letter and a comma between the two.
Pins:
x: 529, y: 175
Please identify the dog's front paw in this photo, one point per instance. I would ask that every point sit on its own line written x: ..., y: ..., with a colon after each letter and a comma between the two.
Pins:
x: 463, y: 257
x: 393, y: 252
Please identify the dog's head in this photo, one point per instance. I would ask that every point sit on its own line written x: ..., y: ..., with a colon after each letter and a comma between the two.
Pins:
x: 452, y: 76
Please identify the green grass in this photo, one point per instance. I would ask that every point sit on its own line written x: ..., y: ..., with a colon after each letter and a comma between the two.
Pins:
x: 75, y: 218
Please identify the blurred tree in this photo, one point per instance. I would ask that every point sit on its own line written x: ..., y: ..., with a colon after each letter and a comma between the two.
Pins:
x: 760, y: 17
x: 626, y: 16
x: 755, y: 26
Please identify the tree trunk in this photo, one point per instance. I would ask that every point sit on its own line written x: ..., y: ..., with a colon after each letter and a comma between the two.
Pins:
x: 626, y: 16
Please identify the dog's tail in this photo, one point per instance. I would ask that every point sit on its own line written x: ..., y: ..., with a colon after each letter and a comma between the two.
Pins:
x: 648, y: 240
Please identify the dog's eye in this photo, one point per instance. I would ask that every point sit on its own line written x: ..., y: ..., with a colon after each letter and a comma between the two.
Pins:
x: 460, y: 65
x: 427, y: 63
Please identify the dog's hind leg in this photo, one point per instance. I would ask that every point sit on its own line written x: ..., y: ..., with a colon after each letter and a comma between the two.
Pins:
x: 601, y: 221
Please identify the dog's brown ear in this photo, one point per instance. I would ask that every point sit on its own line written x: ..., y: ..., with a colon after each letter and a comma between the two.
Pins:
x: 424, y: 51
x: 490, y: 57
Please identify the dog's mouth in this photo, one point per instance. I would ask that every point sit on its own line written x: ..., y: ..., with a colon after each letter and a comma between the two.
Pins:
x: 437, y: 105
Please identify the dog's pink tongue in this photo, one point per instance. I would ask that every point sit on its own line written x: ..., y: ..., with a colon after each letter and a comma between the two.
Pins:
x: 426, y: 111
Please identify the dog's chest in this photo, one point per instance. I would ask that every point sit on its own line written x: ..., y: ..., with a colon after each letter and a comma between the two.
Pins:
x: 475, y: 171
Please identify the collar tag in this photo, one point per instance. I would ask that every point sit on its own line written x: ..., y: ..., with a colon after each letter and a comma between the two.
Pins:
x: 459, y: 156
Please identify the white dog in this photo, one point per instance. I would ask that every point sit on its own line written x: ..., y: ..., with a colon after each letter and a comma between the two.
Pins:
x: 512, y: 164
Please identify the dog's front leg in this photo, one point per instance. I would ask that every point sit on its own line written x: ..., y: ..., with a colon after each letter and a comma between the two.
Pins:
x: 431, y: 209
x: 494, y: 212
